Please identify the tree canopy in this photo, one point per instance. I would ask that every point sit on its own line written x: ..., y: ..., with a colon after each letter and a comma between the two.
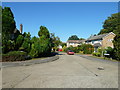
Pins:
x: 8, y: 22
x: 111, y: 24
x: 73, y: 37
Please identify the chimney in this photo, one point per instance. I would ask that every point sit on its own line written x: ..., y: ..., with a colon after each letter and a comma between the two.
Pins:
x: 21, y: 28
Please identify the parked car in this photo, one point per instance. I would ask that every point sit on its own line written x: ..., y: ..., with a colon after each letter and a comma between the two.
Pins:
x: 60, y: 50
x: 70, y: 52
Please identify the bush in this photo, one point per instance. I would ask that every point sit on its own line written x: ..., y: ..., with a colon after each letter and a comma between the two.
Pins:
x: 98, y: 54
x: 14, y: 56
x: 74, y: 49
x: 87, y: 48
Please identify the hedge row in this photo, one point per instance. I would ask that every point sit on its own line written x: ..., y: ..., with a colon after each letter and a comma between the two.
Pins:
x: 15, y: 56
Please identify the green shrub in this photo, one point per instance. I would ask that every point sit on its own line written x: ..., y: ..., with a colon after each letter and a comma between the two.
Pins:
x: 98, y: 54
x: 87, y: 48
x: 110, y: 51
x: 74, y: 49
x: 14, y: 56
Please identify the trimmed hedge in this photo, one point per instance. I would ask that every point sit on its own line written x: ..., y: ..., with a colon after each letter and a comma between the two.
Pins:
x: 14, y: 56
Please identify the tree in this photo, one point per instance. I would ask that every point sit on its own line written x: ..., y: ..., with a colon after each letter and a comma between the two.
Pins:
x: 87, y: 48
x: 63, y: 44
x: 18, y: 42
x: 117, y: 46
x: 81, y: 39
x: 8, y: 27
x: 45, y: 41
x: 8, y: 23
x: 110, y: 24
x: 44, y: 31
x: 35, y: 47
x: 73, y: 37
x: 26, y: 43
x: 55, y: 40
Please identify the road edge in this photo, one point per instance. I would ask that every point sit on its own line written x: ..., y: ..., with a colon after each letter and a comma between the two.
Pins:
x: 29, y: 62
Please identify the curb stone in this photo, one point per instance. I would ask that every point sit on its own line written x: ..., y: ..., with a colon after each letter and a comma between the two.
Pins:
x: 29, y: 62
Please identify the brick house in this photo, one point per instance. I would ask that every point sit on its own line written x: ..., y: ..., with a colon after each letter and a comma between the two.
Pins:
x: 103, y: 40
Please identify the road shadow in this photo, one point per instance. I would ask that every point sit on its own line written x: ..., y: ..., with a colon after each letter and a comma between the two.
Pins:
x: 60, y: 54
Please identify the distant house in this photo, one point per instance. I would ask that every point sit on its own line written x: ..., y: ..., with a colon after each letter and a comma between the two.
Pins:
x: 103, y: 40
x: 75, y: 43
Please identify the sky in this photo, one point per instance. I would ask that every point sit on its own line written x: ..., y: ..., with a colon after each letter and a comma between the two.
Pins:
x: 62, y: 18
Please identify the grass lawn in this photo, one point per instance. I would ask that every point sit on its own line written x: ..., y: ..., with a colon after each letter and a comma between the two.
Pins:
x: 90, y: 55
x: 104, y: 58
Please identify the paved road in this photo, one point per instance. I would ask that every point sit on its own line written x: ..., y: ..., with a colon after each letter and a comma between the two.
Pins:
x: 69, y: 71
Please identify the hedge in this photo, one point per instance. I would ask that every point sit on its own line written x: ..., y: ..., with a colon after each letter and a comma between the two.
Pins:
x: 14, y: 56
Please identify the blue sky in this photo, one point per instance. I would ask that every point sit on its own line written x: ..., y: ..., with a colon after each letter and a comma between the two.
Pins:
x: 62, y: 18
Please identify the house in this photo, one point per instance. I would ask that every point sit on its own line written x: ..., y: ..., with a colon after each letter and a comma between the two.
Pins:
x: 103, y: 40
x: 75, y: 43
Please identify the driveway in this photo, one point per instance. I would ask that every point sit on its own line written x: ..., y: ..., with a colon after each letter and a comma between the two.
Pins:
x: 69, y: 71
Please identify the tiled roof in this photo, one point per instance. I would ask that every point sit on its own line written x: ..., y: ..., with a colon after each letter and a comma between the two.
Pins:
x: 75, y: 41
x: 97, y: 37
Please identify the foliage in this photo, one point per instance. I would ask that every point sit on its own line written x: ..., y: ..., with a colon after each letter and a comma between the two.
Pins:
x: 43, y: 31
x: 8, y: 27
x: 14, y: 56
x: 55, y: 40
x: 74, y: 49
x: 81, y: 39
x: 63, y: 44
x: 35, y: 47
x: 87, y: 48
x: 26, y: 43
x: 117, y: 46
x: 98, y: 54
x: 111, y: 24
x: 19, y: 41
x: 8, y: 23
x: 73, y: 37
x: 41, y: 46
x: 64, y: 47
x: 45, y: 45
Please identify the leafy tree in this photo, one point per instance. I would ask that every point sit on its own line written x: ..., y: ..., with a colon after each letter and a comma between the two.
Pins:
x: 117, y: 46
x: 81, y: 39
x: 8, y: 27
x: 87, y: 48
x: 110, y: 51
x: 8, y: 23
x: 26, y: 43
x: 73, y: 37
x: 55, y: 40
x: 19, y: 41
x: 35, y: 47
x: 45, y: 41
x: 63, y: 44
x: 110, y: 24
x: 34, y: 39
x: 44, y: 31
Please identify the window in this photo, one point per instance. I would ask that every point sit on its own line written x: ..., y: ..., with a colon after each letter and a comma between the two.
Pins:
x: 71, y: 43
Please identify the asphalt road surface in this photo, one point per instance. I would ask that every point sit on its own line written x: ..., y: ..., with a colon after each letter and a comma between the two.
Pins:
x: 69, y: 71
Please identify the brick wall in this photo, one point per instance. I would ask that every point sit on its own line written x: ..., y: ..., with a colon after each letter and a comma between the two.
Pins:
x: 107, y: 41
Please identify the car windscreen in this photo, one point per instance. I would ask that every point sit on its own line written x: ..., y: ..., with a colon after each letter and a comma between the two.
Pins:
x: 70, y: 51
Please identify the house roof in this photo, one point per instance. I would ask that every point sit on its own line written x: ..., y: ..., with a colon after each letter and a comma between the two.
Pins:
x: 75, y: 41
x: 97, y: 37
